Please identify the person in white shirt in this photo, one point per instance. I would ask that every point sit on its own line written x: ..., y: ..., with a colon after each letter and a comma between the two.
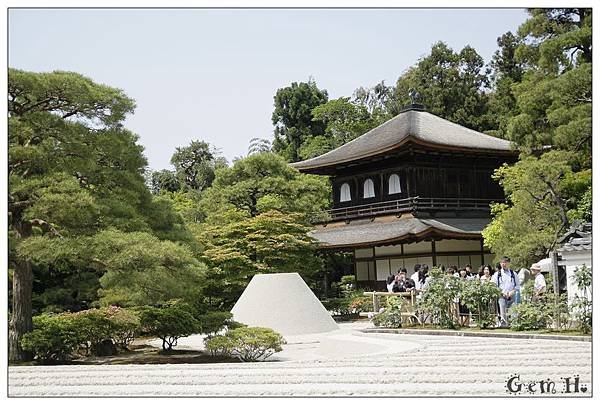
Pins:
x: 391, y: 280
x: 415, y: 276
x: 539, y: 285
x: 508, y: 281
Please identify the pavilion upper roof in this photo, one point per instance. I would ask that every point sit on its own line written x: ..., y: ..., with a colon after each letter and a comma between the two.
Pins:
x: 414, y: 125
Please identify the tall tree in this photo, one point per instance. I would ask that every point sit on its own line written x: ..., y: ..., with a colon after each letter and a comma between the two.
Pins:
x: 164, y: 180
x: 73, y: 171
x: 195, y: 165
x: 543, y: 199
x: 452, y: 85
x: 293, y: 119
x: 259, y: 183
x: 507, y: 70
x: 58, y: 123
x: 555, y: 95
x: 344, y: 121
x: 271, y: 242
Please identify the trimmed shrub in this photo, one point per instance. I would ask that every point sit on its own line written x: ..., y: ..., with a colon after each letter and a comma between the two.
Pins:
x: 169, y: 323
x: 52, y: 340
x: 212, y: 323
x: 246, y: 343
x: 100, y: 328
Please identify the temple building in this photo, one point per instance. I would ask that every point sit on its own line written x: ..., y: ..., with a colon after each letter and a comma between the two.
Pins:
x: 416, y: 189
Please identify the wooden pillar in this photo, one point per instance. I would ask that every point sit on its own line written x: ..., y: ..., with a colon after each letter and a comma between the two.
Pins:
x: 374, y: 267
x: 482, y: 256
x: 433, y: 256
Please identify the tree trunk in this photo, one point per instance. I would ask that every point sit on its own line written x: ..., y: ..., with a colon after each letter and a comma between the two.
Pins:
x: 20, y: 321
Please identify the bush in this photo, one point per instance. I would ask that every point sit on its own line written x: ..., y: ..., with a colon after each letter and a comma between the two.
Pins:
x: 246, y: 343
x: 52, y: 340
x: 581, y: 307
x: 169, y: 323
x: 391, y: 317
x: 438, y: 298
x: 212, y: 323
x: 93, y: 331
x: 480, y: 298
x: 99, y: 328
x: 527, y: 316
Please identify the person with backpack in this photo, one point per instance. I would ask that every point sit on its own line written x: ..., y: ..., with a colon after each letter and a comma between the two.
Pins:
x: 507, y: 280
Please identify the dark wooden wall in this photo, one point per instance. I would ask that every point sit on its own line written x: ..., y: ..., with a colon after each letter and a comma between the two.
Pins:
x: 423, y: 174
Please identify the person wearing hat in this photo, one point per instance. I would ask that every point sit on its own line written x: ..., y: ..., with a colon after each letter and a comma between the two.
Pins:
x: 539, y: 285
x: 508, y: 281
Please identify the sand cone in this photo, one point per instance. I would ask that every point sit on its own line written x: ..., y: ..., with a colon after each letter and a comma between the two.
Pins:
x: 284, y: 303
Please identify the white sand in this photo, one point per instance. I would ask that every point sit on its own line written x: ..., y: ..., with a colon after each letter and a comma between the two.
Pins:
x: 284, y: 303
x: 339, y: 363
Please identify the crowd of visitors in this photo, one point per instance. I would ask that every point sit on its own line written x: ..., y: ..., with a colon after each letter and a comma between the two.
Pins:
x: 503, y: 276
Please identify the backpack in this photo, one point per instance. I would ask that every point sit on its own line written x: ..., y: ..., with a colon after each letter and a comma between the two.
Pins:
x: 512, y: 276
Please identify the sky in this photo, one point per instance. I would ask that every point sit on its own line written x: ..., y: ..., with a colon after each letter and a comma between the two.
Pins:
x: 211, y: 74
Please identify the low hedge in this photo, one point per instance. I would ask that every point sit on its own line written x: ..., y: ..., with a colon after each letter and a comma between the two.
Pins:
x: 60, y: 337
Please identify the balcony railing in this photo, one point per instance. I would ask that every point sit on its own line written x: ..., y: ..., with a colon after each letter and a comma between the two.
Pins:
x: 411, y: 204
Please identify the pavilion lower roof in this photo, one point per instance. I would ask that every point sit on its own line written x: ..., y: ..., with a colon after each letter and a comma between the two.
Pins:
x: 388, y: 230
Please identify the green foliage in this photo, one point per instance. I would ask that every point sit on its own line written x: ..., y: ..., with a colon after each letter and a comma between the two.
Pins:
x: 452, y: 85
x: 555, y: 95
x: 391, y: 317
x: 271, y: 242
x: 245, y: 343
x: 343, y: 121
x: 527, y: 316
x: 527, y: 228
x: 293, y: 117
x: 59, y: 337
x: 74, y: 171
x: 259, y: 183
x: 480, y: 297
x: 581, y: 307
x: 53, y: 339
x: 350, y: 303
x: 169, y: 323
x: 438, y: 298
x: 164, y: 180
x: 195, y: 165
x: 214, y: 321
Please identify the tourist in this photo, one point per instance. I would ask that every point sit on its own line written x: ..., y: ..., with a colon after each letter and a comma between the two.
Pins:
x: 409, y: 284
x: 470, y: 274
x: 391, y: 280
x: 539, y: 286
x: 423, y: 279
x: 506, y: 279
x: 415, y: 276
x: 485, y: 275
x: 463, y: 310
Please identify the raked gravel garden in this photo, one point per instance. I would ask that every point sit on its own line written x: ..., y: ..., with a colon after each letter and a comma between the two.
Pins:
x: 340, y: 363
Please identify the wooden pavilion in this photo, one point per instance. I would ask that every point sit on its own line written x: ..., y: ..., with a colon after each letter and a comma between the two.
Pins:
x: 416, y: 189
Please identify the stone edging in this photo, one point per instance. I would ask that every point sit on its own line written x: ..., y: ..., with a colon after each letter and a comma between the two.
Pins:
x: 476, y: 334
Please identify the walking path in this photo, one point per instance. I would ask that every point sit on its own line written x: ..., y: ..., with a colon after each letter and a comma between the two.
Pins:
x: 347, y: 362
